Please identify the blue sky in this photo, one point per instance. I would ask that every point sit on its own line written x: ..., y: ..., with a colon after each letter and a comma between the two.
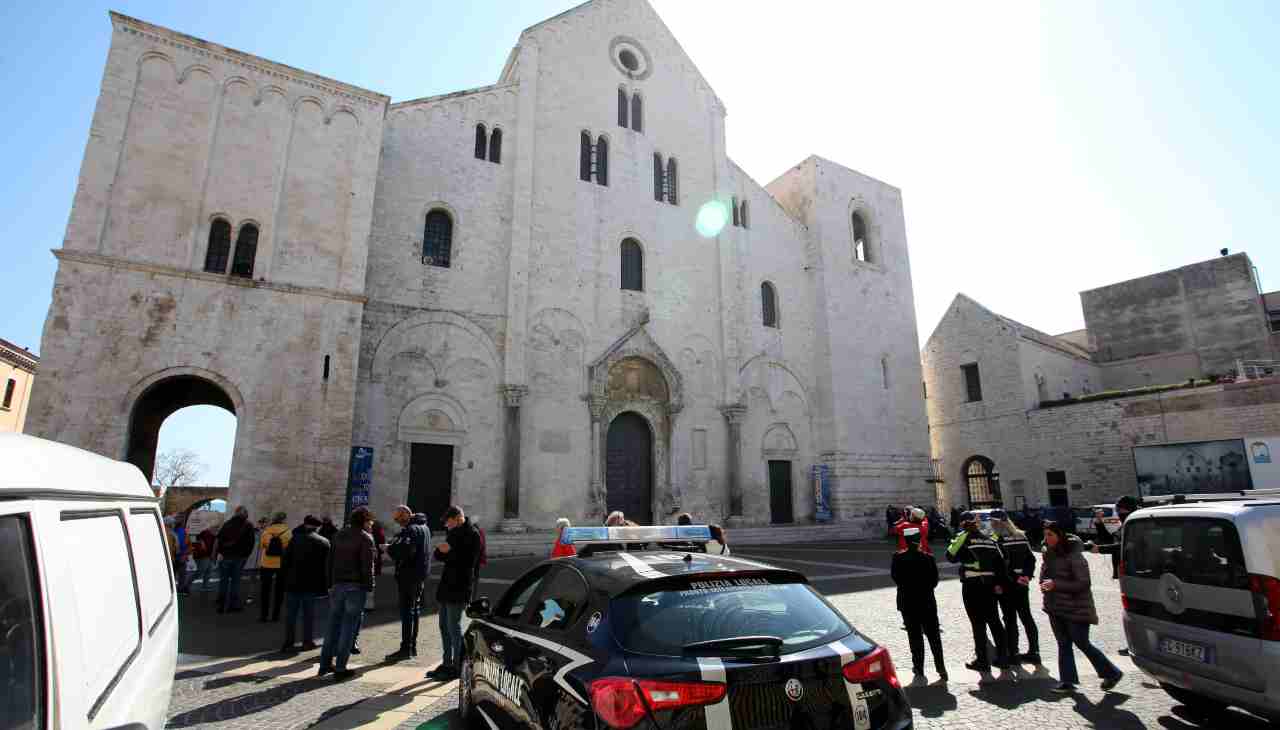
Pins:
x: 1041, y: 149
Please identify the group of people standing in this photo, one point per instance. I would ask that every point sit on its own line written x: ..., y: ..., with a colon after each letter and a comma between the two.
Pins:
x: 299, y: 566
x: 997, y: 571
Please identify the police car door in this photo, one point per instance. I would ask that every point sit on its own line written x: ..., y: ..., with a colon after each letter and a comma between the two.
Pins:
x: 553, y: 638
x: 497, y: 689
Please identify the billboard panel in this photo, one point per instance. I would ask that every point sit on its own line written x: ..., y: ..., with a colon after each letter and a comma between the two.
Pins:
x: 1197, y: 467
x: 1264, y: 460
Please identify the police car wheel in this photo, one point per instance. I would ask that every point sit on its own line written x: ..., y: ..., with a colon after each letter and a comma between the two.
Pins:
x: 465, y: 682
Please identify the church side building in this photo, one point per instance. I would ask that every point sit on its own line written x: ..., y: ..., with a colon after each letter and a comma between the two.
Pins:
x: 552, y: 296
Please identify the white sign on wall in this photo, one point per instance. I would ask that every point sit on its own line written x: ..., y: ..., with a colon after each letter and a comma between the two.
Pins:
x: 1263, y: 453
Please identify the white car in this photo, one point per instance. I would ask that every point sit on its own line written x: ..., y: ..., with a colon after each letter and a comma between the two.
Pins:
x: 1084, y: 519
x: 88, y: 610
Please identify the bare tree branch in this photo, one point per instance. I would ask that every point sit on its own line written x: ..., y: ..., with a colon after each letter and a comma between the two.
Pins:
x: 177, y: 468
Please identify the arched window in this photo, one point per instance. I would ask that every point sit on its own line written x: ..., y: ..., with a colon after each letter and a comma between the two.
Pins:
x: 658, y: 179
x: 495, y: 146
x: 734, y: 204
x: 215, y: 257
x: 482, y: 141
x: 622, y: 108
x: 637, y: 113
x: 602, y: 161
x: 584, y: 156
x: 861, y: 252
x: 437, y: 239
x: 672, y: 182
x: 632, y: 265
x: 246, y: 251
x: 742, y: 215
x: 769, y: 305
x: 983, y: 482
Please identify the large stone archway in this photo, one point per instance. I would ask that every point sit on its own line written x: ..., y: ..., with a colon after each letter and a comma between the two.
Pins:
x: 634, y: 376
x: 156, y: 398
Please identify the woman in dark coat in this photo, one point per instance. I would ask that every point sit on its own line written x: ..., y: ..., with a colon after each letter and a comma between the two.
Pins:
x: 1068, y: 599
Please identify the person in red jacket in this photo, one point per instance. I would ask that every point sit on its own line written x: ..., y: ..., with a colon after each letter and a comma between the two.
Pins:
x: 559, y: 549
x: 914, y: 519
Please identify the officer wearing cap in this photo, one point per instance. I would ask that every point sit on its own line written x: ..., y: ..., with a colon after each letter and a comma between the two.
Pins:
x: 1015, y: 600
x: 916, y: 575
x: 983, y: 572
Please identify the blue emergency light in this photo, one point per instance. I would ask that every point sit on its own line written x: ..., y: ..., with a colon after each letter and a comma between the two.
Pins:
x: 651, y: 533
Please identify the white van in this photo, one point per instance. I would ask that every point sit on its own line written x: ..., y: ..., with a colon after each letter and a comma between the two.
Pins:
x: 88, y: 611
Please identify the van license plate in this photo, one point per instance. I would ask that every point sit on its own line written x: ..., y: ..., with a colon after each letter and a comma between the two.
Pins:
x: 1184, y: 650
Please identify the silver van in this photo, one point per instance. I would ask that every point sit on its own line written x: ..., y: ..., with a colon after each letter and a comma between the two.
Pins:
x: 1200, y: 583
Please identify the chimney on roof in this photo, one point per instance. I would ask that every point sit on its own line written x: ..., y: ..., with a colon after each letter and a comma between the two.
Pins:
x: 1222, y: 251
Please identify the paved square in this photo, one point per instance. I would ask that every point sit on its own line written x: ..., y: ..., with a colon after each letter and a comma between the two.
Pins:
x: 240, y: 684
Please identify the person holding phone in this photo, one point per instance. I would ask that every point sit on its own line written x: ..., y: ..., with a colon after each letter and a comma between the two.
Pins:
x: 1068, y: 599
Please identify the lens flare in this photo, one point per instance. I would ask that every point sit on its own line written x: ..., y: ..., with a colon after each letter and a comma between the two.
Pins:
x: 712, y: 218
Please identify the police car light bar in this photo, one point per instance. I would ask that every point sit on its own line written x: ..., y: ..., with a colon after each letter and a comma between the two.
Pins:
x: 652, y: 533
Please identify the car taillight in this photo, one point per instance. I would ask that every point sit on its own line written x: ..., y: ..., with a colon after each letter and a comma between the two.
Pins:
x: 621, y: 701
x: 1266, y: 591
x: 876, y: 665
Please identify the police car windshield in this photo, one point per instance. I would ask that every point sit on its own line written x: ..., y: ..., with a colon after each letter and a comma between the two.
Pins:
x: 668, y: 617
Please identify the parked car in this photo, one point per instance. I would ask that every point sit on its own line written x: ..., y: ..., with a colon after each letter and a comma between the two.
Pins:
x: 1200, y: 584
x: 1085, y: 516
x: 654, y: 638
x: 88, y: 610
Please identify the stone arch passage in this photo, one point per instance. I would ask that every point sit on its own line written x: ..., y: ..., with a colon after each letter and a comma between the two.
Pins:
x: 161, y: 400
x: 629, y: 467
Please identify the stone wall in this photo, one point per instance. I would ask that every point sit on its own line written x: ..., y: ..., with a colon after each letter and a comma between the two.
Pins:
x: 1211, y: 308
x: 179, y: 499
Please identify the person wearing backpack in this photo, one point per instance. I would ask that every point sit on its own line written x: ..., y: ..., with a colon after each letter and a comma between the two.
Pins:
x: 274, y: 541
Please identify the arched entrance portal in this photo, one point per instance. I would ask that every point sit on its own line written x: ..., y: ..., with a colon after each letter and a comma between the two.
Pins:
x: 629, y: 467
x: 161, y: 400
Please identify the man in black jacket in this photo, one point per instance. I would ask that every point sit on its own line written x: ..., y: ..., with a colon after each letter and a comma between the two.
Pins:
x: 411, y: 552
x: 982, y: 574
x: 235, y: 544
x: 305, y: 573
x: 461, y: 555
x: 916, y: 575
x: 351, y: 578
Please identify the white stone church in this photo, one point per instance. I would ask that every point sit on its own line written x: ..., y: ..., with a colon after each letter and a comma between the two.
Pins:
x: 520, y: 297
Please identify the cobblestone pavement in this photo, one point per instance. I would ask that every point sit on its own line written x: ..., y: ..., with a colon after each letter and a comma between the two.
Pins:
x: 277, y: 692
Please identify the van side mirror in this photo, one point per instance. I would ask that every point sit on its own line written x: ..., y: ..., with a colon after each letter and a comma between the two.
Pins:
x: 478, y: 608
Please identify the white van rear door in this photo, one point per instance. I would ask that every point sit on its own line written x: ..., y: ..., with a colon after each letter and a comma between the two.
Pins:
x: 24, y: 684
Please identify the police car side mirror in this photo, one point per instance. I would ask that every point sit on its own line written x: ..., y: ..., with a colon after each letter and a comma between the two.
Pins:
x: 478, y: 608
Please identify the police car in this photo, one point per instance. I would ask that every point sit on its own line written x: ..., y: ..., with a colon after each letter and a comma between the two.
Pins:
x: 638, y: 632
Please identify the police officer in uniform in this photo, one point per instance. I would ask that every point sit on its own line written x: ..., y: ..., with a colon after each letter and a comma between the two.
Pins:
x: 982, y: 574
x: 1015, y: 601
x: 916, y: 575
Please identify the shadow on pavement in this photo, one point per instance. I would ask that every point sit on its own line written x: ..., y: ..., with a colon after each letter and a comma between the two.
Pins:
x: 933, y: 700
x: 249, y: 703
x: 1188, y: 719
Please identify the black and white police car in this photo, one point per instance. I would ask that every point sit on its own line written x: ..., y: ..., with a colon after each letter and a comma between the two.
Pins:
x: 637, y: 632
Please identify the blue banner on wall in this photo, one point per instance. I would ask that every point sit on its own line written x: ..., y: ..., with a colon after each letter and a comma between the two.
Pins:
x: 359, y: 478
x: 821, y: 478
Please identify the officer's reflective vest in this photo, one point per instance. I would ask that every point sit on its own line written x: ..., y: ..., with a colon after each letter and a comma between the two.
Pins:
x: 979, y: 557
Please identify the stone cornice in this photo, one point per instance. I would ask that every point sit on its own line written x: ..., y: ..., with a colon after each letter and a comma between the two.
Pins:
x: 18, y: 357
x: 200, y: 47
x: 112, y: 262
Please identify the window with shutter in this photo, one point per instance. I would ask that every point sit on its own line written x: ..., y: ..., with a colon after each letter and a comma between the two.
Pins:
x: 632, y: 265
x: 482, y: 141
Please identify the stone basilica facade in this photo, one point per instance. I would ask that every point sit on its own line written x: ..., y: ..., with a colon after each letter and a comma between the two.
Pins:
x: 518, y: 296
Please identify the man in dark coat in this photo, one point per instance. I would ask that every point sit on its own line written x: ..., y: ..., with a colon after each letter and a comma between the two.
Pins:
x: 236, y: 540
x: 351, y: 578
x: 916, y: 575
x: 410, y: 549
x: 305, y: 573
x: 461, y: 555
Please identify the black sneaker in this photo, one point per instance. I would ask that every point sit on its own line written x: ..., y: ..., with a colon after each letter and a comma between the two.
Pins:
x: 977, y: 666
x: 440, y: 673
x: 324, y: 670
x: 1109, y: 684
x: 1064, y: 688
x: 355, y: 650
x: 343, y: 675
x: 398, y: 656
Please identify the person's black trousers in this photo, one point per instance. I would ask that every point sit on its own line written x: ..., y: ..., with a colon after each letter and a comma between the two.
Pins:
x: 410, y: 594
x: 980, y: 604
x: 922, y: 623
x: 1015, y: 606
x: 271, y: 597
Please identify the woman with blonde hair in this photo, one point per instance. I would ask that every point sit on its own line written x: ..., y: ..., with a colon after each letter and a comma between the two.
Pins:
x: 1015, y: 598
x: 558, y: 548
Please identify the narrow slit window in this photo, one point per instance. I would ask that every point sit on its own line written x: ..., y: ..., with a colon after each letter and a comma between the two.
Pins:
x: 884, y: 372
x: 742, y: 216
x: 495, y: 146
x: 602, y: 161
x: 622, y: 108
x: 637, y: 113
x: 219, y: 251
x: 437, y: 239
x: 246, y: 251
x: 584, y: 157
x: 734, y: 204
x: 972, y: 382
x: 672, y: 178
x: 482, y: 141
x: 658, y: 192
x: 769, y: 305
x: 8, y: 392
x: 326, y: 367
x: 860, y: 250
x: 632, y: 265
